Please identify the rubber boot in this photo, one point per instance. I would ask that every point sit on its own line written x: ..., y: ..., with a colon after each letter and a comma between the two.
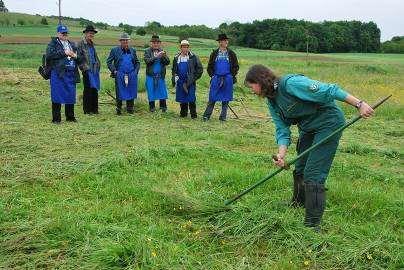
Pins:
x: 314, y: 203
x: 69, y: 113
x: 192, y: 110
x: 56, y: 115
x: 298, y: 190
x: 184, y: 109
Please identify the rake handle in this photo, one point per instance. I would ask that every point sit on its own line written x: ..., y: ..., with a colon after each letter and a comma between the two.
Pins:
x: 238, y: 196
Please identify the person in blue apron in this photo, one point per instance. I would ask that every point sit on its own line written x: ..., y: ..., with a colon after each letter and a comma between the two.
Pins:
x: 222, y: 68
x: 90, y: 67
x: 156, y: 60
x: 297, y: 100
x: 124, y: 66
x: 186, y: 70
x: 63, y: 59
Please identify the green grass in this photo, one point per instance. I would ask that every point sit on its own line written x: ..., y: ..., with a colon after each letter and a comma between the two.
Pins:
x: 131, y: 192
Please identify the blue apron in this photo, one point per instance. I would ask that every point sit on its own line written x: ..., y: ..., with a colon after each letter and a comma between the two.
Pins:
x: 126, y: 67
x: 181, y: 95
x: 93, y: 74
x: 155, y: 85
x: 221, y: 86
x: 63, y: 88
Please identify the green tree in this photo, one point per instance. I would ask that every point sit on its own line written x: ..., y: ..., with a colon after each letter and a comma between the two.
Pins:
x: 20, y: 22
x: 128, y: 29
x: 141, y: 31
x: 44, y: 21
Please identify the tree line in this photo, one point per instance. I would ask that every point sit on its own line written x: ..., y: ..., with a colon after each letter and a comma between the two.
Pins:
x: 395, y: 45
x: 300, y: 35
x: 283, y: 34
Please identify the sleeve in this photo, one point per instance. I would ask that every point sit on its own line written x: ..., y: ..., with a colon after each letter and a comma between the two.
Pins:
x: 236, y: 66
x: 110, y: 61
x: 165, y: 60
x: 148, y: 57
x: 80, y: 53
x: 173, y: 71
x: 52, y: 53
x: 198, y: 68
x: 282, y: 129
x: 136, y: 62
x: 211, y: 64
x: 314, y: 91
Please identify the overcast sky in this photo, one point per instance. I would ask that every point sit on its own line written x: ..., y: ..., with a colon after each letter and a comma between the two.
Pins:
x: 388, y: 14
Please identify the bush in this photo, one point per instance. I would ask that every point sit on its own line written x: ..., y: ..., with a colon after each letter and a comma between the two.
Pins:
x: 128, y: 29
x: 20, y: 22
x: 141, y: 31
x: 44, y: 21
x: 395, y: 45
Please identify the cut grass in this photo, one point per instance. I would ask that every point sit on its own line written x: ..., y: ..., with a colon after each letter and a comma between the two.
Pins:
x: 145, y: 191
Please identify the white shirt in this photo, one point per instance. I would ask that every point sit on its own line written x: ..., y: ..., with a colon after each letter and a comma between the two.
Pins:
x: 66, y: 45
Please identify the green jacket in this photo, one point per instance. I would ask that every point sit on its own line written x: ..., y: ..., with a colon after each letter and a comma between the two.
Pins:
x: 307, y: 103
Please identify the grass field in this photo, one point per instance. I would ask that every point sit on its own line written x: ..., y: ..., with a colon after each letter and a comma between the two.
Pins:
x: 126, y: 192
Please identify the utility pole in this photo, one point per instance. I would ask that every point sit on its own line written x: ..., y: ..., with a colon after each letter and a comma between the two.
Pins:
x: 307, y: 47
x: 60, y: 11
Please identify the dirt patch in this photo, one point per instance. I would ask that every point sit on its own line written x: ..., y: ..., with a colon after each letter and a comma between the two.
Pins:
x: 6, y: 51
x: 317, y: 58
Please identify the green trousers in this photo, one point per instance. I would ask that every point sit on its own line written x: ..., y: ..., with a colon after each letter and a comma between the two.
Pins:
x: 316, y: 165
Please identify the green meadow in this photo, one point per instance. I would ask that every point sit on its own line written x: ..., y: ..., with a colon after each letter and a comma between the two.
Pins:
x: 130, y: 191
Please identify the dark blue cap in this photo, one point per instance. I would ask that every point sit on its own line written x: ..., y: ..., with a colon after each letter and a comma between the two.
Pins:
x: 62, y: 29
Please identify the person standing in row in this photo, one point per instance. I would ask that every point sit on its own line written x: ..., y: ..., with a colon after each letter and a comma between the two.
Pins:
x: 63, y: 60
x: 186, y: 70
x: 124, y: 66
x: 90, y: 67
x: 222, y: 68
x: 156, y: 60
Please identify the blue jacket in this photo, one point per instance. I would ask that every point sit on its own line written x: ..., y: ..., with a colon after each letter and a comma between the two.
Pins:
x: 114, y: 59
x: 298, y: 101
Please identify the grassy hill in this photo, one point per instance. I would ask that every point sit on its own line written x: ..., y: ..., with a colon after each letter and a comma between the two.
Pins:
x: 130, y: 192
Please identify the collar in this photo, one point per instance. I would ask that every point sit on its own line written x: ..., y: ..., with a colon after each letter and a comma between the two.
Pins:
x: 276, y: 85
x: 190, y: 54
x: 90, y: 43
x: 125, y: 50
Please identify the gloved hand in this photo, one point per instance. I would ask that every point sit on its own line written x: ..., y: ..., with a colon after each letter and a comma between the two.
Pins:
x: 185, y: 87
x: 221, y: 82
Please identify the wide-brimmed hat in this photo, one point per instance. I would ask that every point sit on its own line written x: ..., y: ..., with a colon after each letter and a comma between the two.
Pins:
x: 184, y: 42
x: 90, y: 28
x: 62, y: 29
x: 155, y: 38
x: 124, y: 36
x: 222, y: 37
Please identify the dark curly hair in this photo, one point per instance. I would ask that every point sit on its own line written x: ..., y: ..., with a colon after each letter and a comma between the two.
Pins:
x: 264, y: 77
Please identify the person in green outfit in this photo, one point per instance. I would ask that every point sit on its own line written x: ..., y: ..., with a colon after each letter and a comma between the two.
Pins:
x: 298, y: 100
